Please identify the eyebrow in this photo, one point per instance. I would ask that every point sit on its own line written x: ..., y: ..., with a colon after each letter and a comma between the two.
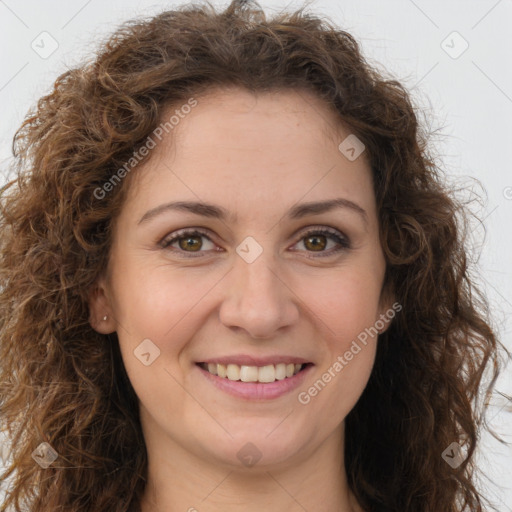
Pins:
x: 218, y: 212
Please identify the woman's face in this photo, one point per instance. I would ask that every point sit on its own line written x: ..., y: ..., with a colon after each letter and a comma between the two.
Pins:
x: 258, y: 286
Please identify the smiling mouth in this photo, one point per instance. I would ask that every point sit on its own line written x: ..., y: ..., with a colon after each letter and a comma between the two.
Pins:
x: 258, y: 374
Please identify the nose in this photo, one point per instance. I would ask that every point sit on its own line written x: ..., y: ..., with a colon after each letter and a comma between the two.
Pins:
x: 258, y: 299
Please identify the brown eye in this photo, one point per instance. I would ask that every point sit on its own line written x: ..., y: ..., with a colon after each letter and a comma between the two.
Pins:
x: 188, y: 241
x: 316, y: 242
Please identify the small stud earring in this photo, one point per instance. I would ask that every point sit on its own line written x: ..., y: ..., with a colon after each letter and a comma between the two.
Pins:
x: 105, y: 318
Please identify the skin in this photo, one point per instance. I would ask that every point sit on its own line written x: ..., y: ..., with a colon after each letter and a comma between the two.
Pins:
x: 256, y: 155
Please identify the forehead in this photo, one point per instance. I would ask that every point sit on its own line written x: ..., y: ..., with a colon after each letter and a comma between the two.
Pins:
x: 259, y: 149
x: 233, y: 108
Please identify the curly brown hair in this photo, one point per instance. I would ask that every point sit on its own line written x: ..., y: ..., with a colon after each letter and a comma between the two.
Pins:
x: 63, y: 383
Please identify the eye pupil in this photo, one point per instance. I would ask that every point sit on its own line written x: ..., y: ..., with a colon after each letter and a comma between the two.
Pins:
x: 190, y: 242
x: 315, y: 245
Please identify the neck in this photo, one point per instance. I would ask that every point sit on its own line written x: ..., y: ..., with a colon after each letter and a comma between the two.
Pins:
x: 180, y: 481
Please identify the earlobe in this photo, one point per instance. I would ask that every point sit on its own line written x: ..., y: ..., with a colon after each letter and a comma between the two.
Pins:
x: 100, y: 315
x: 382, y: 324
x: 388, y: 309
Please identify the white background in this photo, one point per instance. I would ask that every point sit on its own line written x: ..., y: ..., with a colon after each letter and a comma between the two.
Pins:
x: 467, y: 97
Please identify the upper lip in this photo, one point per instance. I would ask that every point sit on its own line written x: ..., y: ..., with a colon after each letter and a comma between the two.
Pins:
x: 246, y: 360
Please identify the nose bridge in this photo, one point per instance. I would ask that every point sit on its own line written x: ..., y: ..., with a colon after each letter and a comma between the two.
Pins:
x: 255, y: 264
x: 259, y: 277
x: 257, y: 300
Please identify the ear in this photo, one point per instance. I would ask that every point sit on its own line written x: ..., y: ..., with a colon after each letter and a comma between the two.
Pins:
x: 99, y: 308
x: 388, y: 308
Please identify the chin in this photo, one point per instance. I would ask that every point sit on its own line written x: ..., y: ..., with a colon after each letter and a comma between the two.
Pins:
x: 254, y: 448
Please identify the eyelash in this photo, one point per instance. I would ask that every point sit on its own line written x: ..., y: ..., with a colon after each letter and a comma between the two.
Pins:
x: 343, y: 241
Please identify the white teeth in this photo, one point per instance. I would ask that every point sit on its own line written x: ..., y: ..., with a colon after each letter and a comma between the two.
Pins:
x: 268, y: 373
x: 233, y: 372
x: 221, y: 370
x: 280, y: 371
x: 249, y: 374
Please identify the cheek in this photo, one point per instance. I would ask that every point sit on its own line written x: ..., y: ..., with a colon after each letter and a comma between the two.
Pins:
x: 346, y: 309
x: 168, y: 307
x: 163, y: 307
x: 158, y: 302
x: 347, y: 303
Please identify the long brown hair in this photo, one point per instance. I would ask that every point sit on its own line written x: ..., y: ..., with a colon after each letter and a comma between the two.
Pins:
x: 63, y: 383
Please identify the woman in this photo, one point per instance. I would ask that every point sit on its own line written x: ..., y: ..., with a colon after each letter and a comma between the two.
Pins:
x: 232, y: 279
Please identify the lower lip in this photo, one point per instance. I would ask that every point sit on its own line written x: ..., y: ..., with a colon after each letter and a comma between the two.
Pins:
x: 257, y: 390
